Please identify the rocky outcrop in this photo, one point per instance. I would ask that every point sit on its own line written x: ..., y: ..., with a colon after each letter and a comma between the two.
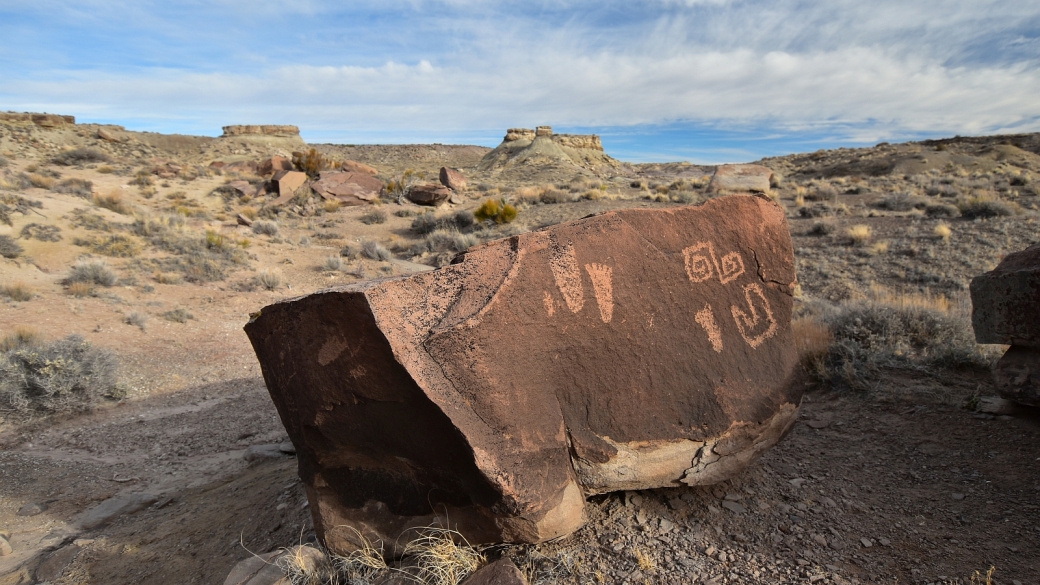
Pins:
x: 1006, y: 310
x: 629, y: 350
x: 740, y: 179
x: 349, y: 188
x: 273, y: 165
x: 429, y: 194
x: 356, y: 167
x: 522, y: 146
x: 41, y: 120
x: 260, y: 130
x: 452, y: 179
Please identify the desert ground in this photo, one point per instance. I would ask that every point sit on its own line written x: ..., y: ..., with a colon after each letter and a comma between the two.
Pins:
x: 133, y: 243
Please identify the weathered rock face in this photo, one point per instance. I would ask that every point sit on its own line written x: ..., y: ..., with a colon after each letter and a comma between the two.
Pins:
x: 288, y: 182
x: 428, y: 194
x: 740, y: 179
x: 347, y: 187
x: 522, y: 147
x: 260, y: 130
x: 1006, y: 301
x: 273, y: 165
x: 452, y: 179
x: 356, y: 167
x: 629, y: 350
x: 41, y: 120
x: 1006, y: 310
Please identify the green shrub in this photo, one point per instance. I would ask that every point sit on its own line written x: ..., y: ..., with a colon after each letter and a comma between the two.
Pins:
x: 68, y: 375
x: 497, y: 211
x: 9, y: 248
x: 80, y: 156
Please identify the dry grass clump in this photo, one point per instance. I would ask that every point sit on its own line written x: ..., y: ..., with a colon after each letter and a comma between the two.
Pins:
x: 448, y: 240
x: 942, y: 231
x: 168, y: 278
x: 984, y: 206
x: 113, y: 201
x: 9, y: 248
x: 105, y: 170
x: 859, y: 235
x: 136, y: 319
x: 942, y: 210
x: 178, y: 315
x: 114, y: 246
x: 823, y: 228
x: 375, y: 251
x: 18, y: 291
x: 374, y: 216
x: 313, y: 162
x: 80, y: 156
x: 68, y: 375
x: 269, y: 279
x: 266, y: 228
x: 363, y: 565
x: 91, y: 272
x: 331, y: 263
x: 78, y: 187
x: 248, y: 212
x: 41, y: 181
x: 79, y: 289
x: 442, y: 557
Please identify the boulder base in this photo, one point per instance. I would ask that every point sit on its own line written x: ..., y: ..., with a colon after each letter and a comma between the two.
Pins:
x: 1006, y: 301
x: 350, y: 188
x: 629, y: 350
x: 1018, y: 375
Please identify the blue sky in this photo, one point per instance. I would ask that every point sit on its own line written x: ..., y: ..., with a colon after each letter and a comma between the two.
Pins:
x: 699, y: 80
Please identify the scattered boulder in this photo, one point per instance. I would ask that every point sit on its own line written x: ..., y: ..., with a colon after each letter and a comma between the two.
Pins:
x: 656, y: 351
x: 269, y: 569
x: 287, y: 182
x: 113, y: 508
x: 741, y: 179
x: 1006, y: 310
x: 32, y: 509
x: 452, y: 179
x: 256, y: 570
x: 350, y: 188
x: 243, y: 188
x: 428, y: 194
x: 273, y: 165
x: 500, y: 572
x: 356, y: 167
x: 108, y: 135
x: 217, y: 164
x: 244, y: 166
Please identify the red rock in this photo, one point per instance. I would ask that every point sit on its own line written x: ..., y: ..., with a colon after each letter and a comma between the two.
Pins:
x: 356, y: 167
x: 273, y: 165
x: 348, y: 188
x: 245, y: 166
x: 501, y: 572
x: 740, y: 179
x: 288, y: 182
x: 243, y: 188
x: 218, y: 164
x: 1006, y: 301
x: 629, y: 350
x: 1018, y: 375
x: 452, y: 179
x: 428, y: 194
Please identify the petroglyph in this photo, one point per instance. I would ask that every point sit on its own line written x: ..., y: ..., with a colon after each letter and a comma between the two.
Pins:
x: 702, y: 263
x: 603, y: 288
x: 760, y: 311
x: 732, y: 267
x: 706, y: 319
x: 567, y: 274
x: 550, y: 306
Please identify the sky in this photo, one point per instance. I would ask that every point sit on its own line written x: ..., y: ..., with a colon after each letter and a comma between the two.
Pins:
x: 706, y: 81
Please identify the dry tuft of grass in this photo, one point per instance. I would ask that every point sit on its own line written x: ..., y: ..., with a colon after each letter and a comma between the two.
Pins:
x: 363, y: 564
x: 91, y: 272
x: 442, y: 557
x: 136, y: 319
x: 645, y: 561
x: 859, y: 234
x: 332, y: 263
x: 113, y: 201
x: 269, y: 279
x: 879, y: 248
x: 18, y: 291
x: 9, y: 248
x: 80, y: 289
x: 249, y: 212
x: 22, y: 336
x: 942, y: 231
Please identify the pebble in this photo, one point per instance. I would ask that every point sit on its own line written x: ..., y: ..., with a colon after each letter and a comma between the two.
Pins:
x: 667, y: 525
x: 819, y: 539
x: 732, y: 497
x: 957, y: 496
x: 734, y: 507
x: 32, y: 509
x: 866, y: 542
x: 797, y: 482
x: 886, y: 542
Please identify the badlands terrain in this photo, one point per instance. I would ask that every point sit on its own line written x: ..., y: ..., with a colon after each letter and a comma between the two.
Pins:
x: 135, y: 243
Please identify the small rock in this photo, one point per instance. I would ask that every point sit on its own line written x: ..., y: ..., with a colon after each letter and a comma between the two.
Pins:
x: 243, y: 220
x: 866, y: 542
x: 830, y: 503
x: 667, y: 525
x: 957, y: 496
x: 797, y: 482
x: 635, y: 499
x: 113, y: 508
x: 734, y: 507
x: 500, y: 572
x: 884, y: 541
x: 5, y: 547
x: 818, y: 424
x: 32, y: 509
x: 819, y: 539
x: 287, y: 447
x: 732, y: 497
x: 641, y: 516
x: 52, y: 568
x: 262, y: 452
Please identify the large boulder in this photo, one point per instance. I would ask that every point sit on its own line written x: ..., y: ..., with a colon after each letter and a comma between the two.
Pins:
x: 288, y: 182
x: 452, y: 179
x: 428, y: 194
x: 352, y: 166
x: 273, y: 165
x: 1006, y: 301
x: 1006, y: 310
x: 350, y: 188
x: 629, y: 350
x: 740, y: 179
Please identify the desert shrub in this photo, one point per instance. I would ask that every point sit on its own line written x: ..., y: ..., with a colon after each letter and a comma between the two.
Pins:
x: 9, y: 248
x: 44, y: 233
x: 447, y: 241
x: 114, y: 246
x: 3, y: 162
x: 984, y: 207
x: 142, y: 179
x: 178, y: 315
x: 137, y: 319
x: 550, y: 196
x: 91, y: 272
x: 78, y: 187
x: 41, y: 181
x: 79, y: 289
x: 80, y: 156
x: 942, y: 231
x: 168, y: 277
x: 266, y: 228
x: 859, y: 235
x: 425, y: 223
x: 269, y: 279
x: 823, y: 210
x: 896, y: 331
x: 68, y: 375
x: 350, y: 251
x: 497, y: 211
x: 823, y: 228
x: 18, y: 291
x: 332, y: 263
x: 113, y: 201
x: 821, y: 193
x: 942, y: 210
x: 373, y: 217
x: 312, y: 162
x: 375, y: 251
x: 105, y: 170
x: 901, y: 202
x: 943, y: 190
x: 15, y: 182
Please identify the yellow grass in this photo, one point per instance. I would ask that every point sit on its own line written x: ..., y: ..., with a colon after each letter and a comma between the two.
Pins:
x: 18, y: 291
x: 21, y: 336
x: 112, y: 200
x: 79, y: 289
x: 943, y: 231
x: 859, y: 234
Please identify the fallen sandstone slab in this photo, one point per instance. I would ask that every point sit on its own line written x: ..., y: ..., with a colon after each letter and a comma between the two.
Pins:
x: 629, y: 350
